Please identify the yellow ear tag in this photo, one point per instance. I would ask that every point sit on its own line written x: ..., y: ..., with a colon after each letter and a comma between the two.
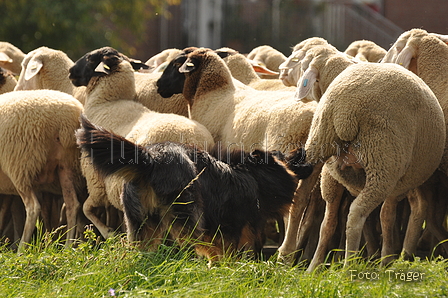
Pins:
x: 189, y: 64
x: 106, y: 67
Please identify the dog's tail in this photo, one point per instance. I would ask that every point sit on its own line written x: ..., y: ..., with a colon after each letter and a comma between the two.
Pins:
x: 110, y: 153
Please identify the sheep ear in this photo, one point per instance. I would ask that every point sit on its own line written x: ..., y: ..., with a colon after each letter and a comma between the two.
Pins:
x: 359, y: 57
x: 188, y: 66
x: 306, y: 83
x: 443, y: 38
x: 405, y: 56
x: 261, y: 68
x: 161, y: 67
x: 5, y: 58
x: 138, y: 65
x: 33, y: 68
x: 102, y: 67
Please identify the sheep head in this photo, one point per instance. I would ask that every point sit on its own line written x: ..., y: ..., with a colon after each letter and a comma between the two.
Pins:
x: 100, y: 62
x: 10, y: 57
x: 172, y: 81
x: 205, y: 72
x: 290, y: 69
x: 408, y: 47
x: 315, y: 62
x: 93, y: 64
x: 45, y: 68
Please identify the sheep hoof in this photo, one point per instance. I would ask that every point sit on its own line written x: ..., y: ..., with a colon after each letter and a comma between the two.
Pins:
x: 286, y: 259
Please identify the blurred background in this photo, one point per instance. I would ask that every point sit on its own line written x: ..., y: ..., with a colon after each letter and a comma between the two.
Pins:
x: 143, y: 28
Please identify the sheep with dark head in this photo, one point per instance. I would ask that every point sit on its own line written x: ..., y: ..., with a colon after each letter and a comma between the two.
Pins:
x: 253, y: 119
x: 110, y: 87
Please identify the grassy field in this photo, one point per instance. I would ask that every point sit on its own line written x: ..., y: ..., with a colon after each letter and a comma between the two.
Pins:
x: 113, y: 268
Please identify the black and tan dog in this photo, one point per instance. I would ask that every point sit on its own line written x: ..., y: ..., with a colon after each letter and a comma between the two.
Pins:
x: 222, y: 199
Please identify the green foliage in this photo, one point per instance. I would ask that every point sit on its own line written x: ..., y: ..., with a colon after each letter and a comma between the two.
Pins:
x: 77, y: 26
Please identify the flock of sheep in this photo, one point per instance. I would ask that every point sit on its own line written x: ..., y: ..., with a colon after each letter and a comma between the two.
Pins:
x: 371, y: 122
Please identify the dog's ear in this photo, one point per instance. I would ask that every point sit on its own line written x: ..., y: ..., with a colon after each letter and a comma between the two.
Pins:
x: 296, y: 162
x: 256, y: 157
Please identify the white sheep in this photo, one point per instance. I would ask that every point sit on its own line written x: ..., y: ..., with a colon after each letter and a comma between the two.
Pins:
x: 290, y: 70
x: 165, y: 56
x: 426, y: 54
x: 11, y: 57
x: 371, y: 127
x: 46, y: 68
x: 365, y: 50
x: 242, y: 70
x: 248, y: 118
x: 267, y: 56
x: 7, y: 81
x: 39, y: 152
x: 110, y: 87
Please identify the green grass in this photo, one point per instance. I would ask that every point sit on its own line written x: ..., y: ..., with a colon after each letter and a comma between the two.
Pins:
x: 92, y: 269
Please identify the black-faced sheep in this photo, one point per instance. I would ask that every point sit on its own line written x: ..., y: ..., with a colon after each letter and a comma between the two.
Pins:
x: 110, y: 88
x: 39, y: 153
x: 146, y: 89
x: 220, y: 198
x: 11, y: 57
x: 372, y: 127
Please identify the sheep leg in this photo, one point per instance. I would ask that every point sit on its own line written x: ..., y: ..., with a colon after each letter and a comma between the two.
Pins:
x: 305, y: 228
x: 45, y: 202
x: 301, y: 199
x: 313, y: 237
x: 32, y: 208
x: 72, y: 205
x: 18, y: 213
x: 370, y: 234
x: 308, y: 218
x: 332, y: 194
x: 5, y: 210
x: 367, y: 200
x: 387, y: 218
x: 437, y: 207
x: 418, y: 203
x: 89, y: 207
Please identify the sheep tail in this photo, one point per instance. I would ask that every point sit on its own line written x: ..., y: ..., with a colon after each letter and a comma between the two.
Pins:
x: 110, y: 153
